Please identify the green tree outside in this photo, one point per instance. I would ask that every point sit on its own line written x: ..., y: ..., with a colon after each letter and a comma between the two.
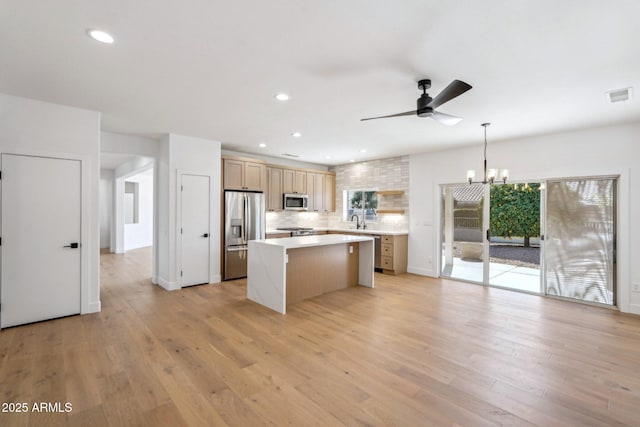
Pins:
x: 370, y: 200
x: 515, y: 211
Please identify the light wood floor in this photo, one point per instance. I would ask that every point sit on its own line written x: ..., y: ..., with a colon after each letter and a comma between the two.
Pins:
x: 411, y: 352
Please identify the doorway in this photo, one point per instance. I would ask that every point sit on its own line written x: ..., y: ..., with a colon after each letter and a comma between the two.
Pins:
x: 556, y: 238
x: 41, y: 250
x: 491, y: 234
x: 194, y: 229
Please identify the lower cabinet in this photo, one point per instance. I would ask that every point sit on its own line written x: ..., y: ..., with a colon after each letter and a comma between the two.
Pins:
x: 394, y: 251
x: 394, y: 254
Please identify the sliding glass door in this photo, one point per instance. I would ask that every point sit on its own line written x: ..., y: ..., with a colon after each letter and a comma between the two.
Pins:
x: 491, y: 234
x: 463, y: 248
x: 580, y: 239
x: 514, y: 237
x: 558, y: 240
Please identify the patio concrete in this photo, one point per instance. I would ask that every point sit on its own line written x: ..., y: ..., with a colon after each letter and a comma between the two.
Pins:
x: 503, y: 275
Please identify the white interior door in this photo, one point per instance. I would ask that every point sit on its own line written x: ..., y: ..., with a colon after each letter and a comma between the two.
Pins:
x: 195, y: 229
x: 40, y: 239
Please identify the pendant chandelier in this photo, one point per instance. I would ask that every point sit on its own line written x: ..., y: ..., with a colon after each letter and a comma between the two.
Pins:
x: 490, y: 175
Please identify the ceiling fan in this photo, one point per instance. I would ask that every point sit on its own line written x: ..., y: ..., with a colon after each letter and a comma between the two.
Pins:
x: 427, y: 105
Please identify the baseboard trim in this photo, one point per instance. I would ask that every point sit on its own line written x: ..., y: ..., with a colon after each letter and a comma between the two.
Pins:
x: 634, y: 309
x: 217, y: 278
x: 169, y: 286
x: 421, y: 271
x: 94, y: 307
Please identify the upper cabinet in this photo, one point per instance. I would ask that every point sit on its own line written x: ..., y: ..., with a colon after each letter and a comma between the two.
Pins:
x: 244, y: 175
x: 321, y: 189
x: 294, y: 181
x: 330, y: 193
x: 274, y: 188
x: 254, y: 175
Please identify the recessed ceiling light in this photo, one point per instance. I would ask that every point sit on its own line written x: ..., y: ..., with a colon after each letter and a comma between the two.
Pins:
x: 352, y: 161
x: 282, y: 97
x: 328, y: 157
x: 363, y: 151
x: 262, y: 145
x: 101, y: 36
x: 296, y: 134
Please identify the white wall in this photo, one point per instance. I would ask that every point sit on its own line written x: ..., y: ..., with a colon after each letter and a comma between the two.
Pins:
x: 119, y: 143
x: 600, y: 151
x: 140, y: 234
x: 106, y: 191
x: 43, y: 129
x: 182, y: 154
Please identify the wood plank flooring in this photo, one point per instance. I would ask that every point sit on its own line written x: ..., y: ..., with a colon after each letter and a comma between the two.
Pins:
x: 413, y: 351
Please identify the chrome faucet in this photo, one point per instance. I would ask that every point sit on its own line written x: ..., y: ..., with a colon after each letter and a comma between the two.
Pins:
x: 357, y: 220
x: 364, y: 211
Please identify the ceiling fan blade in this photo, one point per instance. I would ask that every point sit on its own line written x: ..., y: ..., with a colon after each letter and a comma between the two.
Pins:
x: 455, y: 88
x: 445, y: 119
x: 407, y: 113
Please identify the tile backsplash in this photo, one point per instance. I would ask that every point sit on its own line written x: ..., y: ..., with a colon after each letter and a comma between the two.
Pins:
x: 383, y: 174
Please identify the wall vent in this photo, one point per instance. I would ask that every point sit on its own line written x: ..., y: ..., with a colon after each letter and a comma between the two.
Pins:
x: 619, y: 95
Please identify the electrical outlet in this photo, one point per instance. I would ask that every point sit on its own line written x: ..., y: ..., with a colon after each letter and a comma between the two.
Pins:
x: 350, y: 249
x: 635, y: 287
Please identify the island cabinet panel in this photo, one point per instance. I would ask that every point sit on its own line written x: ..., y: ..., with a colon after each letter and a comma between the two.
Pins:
x: 308, y: 275
x: 294, y: 181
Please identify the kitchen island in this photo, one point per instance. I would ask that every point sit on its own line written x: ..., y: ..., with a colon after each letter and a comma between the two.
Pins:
x: 287, y: 270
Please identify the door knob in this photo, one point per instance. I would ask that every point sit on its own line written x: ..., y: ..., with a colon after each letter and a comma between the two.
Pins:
x: 73, y: 245
x: 205, y: 235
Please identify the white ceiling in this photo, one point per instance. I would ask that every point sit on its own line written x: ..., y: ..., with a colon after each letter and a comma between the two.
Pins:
x: 210, y: 68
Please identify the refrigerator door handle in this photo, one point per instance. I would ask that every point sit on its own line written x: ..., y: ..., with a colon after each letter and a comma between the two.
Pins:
x: 237, y: 249
x: 247, y: 214
x: 244, y: 219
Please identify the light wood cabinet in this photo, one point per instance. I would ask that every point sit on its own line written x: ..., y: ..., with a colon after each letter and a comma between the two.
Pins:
x: 274, y: 189
x: 330, y: 193
x: 321, y: 189
x: 278, y: 235
x: 394, y: 254
x: 244, y: 175
x: 294, y: 181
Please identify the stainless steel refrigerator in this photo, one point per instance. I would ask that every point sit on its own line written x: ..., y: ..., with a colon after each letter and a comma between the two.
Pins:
x: 244, y: 220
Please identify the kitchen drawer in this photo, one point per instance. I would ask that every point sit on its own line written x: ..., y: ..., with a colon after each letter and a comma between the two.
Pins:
x: 387, y: 263
x: 387, y: 239
x: 387, y: 250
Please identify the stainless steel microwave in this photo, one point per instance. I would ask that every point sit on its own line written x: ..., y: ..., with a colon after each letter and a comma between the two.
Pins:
x: 295, y: 202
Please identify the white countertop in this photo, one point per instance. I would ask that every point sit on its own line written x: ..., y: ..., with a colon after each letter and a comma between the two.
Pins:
x: 352, y: 230
x: 314, y: 240
x: 369, y: 231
